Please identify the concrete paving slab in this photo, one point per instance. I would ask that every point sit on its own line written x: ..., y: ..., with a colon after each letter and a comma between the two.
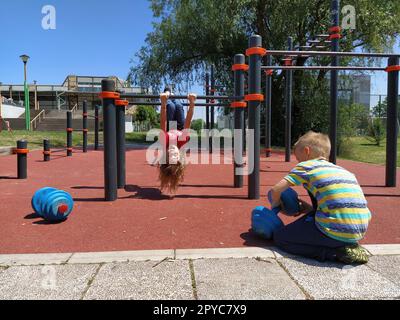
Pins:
x: 387, y: 266
x: 247, y: 279
x: 121, y: 256
x: 66, y: 282
x: 33, y: 259
x: 223, y: 253
x: 168, y: 280
x: 383, y: 249
x: 338, y: 281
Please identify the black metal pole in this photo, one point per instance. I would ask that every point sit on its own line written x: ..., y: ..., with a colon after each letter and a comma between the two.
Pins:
x: 69, y: 133
x: 268, y: 109
x: 84, y: 124
x: 212, y: 93
x: 46, y: 150
x: 334, y: 86
x: 121, y: 148
x: 207, y: 101
x: 239, y: 115
x: 185, y: 104
x: 22, y: 159
x: 288, y: 104
x: 110, y: 146
x: 176, y: 96
x: 254, y: 118
x: 392, y: 129
x: 96, y: 127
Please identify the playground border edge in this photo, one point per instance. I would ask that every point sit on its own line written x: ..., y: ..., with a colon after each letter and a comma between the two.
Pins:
x: 7, y: 260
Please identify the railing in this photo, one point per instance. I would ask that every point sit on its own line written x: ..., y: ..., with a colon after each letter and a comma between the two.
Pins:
x: 38, y: 118
x: 74, y: 109
x: 141, y: 126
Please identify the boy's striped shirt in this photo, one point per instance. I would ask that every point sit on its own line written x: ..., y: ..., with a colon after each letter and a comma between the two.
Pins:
x: 342, y: 211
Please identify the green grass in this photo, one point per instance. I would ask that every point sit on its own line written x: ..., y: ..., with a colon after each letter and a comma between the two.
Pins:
x: 58, y: 139
x: 360, y: 149
x: 357, y: 148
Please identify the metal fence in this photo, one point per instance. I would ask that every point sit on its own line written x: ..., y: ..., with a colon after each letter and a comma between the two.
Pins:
x: 141, y: 126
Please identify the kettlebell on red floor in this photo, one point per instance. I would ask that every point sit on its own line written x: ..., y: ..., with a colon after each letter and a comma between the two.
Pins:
x: 265, y: 221
x: 52, y: 204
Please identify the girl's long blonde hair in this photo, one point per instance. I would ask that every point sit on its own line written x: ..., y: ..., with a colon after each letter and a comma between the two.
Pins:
x: 171, y: 175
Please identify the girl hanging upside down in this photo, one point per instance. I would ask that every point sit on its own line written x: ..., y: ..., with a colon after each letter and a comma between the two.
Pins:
x: 171, y: 171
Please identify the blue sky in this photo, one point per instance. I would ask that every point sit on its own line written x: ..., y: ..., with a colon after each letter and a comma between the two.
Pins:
x: 92, y: 37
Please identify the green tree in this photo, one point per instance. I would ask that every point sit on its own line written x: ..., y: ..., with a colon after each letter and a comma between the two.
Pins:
x: 376, y: 131
x: 351, y: 121
x: 197, y: 125
x: 189, y: 35
x: 380, y: 110
x: 146, y: 114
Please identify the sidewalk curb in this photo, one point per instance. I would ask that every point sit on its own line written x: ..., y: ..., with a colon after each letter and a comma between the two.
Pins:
x: 7, y: 260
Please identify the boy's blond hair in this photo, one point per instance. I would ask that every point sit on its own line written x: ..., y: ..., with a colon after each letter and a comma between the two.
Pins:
x: 319, y: 144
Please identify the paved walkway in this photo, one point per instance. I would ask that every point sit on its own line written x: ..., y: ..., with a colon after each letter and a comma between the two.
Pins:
x: 229, y: 273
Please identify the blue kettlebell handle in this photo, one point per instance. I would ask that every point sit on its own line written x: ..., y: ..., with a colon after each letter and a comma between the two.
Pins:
x: 276, y: 209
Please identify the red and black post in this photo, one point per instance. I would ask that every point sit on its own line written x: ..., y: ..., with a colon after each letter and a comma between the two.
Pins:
x: 109, y: 96
x: 84, y: 126
x: 254, y: 98
x: 69, y: 133
x: 121, y: 148
x: 46, y: 150
x: 392, y: 126
x: 239, y: 68
x: 22, y: 159
x: 96, y: 127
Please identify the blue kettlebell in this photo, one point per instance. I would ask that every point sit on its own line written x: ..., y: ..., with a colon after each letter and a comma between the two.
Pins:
x: 36, y: 201
x: 52, y: 204
x: 290, y: 202
x: 265, y: 221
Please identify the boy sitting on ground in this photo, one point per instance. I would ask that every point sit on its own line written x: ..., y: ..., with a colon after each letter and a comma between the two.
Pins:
x: 339, y: 216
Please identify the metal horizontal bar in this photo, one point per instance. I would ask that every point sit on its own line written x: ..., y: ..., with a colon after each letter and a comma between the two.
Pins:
x: 331, y: 53
x: 322, y: 68
x: 155, y: 103
x: 152, y: 96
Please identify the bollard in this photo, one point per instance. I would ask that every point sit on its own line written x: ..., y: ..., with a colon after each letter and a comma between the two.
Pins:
x: 96, y: 127
x: 69, y: 133
x: 46, y: 150
x: 84, y: 126
x: 22, y: 159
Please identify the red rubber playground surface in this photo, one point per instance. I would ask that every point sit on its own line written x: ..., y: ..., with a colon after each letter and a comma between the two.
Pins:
x: 207, y: 211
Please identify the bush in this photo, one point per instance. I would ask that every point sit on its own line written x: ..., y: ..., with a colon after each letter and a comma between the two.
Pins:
x: 351, y: 122
x: 376, y: 131
x: 146, y: 114
x: 197, y: 125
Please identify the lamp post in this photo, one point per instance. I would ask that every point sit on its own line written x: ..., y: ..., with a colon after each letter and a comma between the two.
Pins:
x: 36, y: 102
x: 25, y: 59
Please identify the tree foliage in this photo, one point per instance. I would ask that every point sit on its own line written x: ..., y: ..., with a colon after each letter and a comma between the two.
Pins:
x: 146, y: 114
x: 190, y: 35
